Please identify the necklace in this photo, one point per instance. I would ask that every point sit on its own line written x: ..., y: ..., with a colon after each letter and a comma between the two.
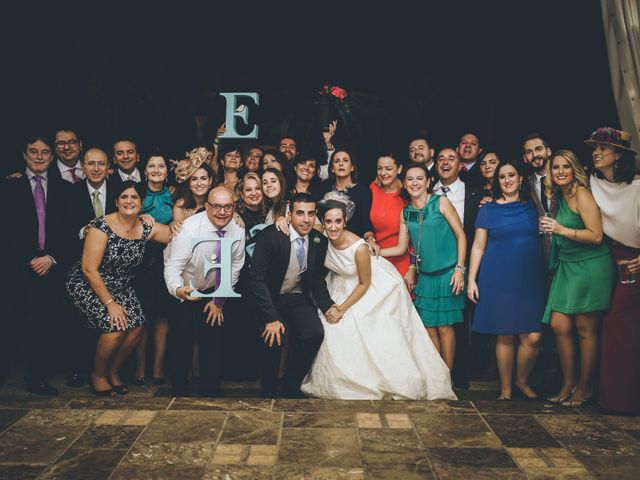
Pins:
x: 421, y: 214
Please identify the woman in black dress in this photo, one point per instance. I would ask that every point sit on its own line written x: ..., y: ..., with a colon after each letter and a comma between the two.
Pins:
x: 100, y: 284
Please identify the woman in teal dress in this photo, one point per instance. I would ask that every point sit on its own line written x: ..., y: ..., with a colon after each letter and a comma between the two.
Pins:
x: 432, y: 225
x: 583, y: 274
x: 149, y: 282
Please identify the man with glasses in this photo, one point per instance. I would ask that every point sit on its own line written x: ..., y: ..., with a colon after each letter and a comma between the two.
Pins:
x: 184, y: 272
x: 31, y: 253
x: 68, y: 148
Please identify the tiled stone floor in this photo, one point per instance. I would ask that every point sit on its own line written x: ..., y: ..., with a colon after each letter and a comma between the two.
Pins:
x: 150, y: 435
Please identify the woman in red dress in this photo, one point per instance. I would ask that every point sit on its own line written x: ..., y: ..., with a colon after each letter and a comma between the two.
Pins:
x: 387, y: 202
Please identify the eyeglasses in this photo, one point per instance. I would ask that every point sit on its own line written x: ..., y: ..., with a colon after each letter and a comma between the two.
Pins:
x: 63, y: 143
x: 216, y: 207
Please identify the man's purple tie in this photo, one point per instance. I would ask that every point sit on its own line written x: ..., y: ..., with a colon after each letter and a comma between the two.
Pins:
x: 217, y: 275
x: 74, y: 177
x: 40, y: 201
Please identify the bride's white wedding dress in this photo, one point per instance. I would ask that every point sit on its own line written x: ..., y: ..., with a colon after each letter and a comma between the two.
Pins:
x: 379, y: 349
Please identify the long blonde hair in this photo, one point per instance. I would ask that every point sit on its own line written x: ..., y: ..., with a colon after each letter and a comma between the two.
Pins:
x: 580, y: 178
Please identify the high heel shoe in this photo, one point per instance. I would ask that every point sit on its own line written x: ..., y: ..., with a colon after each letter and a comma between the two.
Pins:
x: 557, y: 399
x: 120, y: 389
x: 578, y: 404
x: 102, y: 393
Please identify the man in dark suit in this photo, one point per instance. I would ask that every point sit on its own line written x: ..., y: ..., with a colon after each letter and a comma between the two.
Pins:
x: 288, y: 284
x: 536, y: 153
x: 469, y: 150
x: 420, y: 151
x: 126, y: 158
x: 465, y: 199
x: 32, y: 249
x: 68, y: 166
x: 88, y: 199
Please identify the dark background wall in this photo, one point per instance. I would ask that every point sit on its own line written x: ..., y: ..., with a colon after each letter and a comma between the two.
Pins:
x: 502, y: 69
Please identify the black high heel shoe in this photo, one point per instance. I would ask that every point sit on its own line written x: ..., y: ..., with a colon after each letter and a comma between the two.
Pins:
x: 102, y: 393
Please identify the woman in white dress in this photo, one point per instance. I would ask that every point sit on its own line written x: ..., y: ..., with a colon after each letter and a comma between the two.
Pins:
x: 374, y: 345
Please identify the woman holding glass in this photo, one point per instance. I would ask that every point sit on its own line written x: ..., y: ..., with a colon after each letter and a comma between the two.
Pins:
x: 616, y: 189
x: 583, y: 274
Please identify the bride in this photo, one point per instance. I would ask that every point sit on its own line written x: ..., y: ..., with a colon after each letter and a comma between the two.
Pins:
x: 374, y: 345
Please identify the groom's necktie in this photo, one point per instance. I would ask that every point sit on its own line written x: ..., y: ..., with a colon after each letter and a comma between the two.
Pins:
x: 300, y: 252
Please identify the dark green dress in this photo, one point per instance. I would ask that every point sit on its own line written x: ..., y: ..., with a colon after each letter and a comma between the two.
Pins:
x: 583, y: 274
x: 438, y: 250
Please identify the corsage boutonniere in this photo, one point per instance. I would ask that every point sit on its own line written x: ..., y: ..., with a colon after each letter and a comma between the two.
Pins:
x: 316, y: 240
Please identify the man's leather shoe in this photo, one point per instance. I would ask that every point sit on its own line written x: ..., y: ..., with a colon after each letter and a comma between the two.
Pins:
x: 75, y: 380
x: 461, y: 384
x: 41, y: 388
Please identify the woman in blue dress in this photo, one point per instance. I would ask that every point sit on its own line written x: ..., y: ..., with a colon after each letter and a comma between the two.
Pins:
x: 510, y: 293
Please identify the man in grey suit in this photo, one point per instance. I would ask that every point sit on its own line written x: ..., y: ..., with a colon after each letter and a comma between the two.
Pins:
x: 536, y: 153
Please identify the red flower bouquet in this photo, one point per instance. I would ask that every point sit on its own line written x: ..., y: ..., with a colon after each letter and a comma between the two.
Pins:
x: 338, y: 93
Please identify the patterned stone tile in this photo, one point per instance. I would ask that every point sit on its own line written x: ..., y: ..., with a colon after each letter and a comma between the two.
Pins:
x: 391, y: 446
x: 424, y: 406
x: 184, y: 427
x: 85, y: 464
x: 238, y: 472
x: 318, y: 420
x: 155, y: 472
x: 454, y: 431
x: 548, y: 463
x: 126, y: 417
x: 321, y: 405
x: 398, y: 420
x: 222, y: 404
x: 495, y: 407
x: 20, y: 472
x: 326, y: 447
x: 49, y: 417
x: 306, y: 472
x: 511, y: 431
x: 121, y: 402
x: 9, y: 416
x: 113, y: 437
x: 36, y: 444
x: 369, y: 420
x: 252, y: 428
x: 485, y: 473
x: 195, y: 454
x: 404, y: 471
x: 443, y: 458
x: 589, y: 435
x: 612, y: 466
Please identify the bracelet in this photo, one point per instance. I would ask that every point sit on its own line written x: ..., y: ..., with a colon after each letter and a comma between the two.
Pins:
x: 412, y: 267
x: 108, y: 302
x: 575, y: 234
x: 460, y: 268
x: 216, y: 141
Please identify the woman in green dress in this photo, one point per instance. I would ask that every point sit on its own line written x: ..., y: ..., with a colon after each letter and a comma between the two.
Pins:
x: 583, y: 274
x: 432, y: 225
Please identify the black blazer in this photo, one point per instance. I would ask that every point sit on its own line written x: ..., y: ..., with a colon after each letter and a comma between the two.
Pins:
x: 269, y: 267
x: 472, y: 197
x: 473, y: 176
x: 20, y: 241
x: 80, y: 212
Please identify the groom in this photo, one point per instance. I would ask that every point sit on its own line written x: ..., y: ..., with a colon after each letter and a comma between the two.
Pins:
x: 288, y: 285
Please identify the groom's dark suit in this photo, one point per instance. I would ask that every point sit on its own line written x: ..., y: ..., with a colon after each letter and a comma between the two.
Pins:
x: 298, y: 311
